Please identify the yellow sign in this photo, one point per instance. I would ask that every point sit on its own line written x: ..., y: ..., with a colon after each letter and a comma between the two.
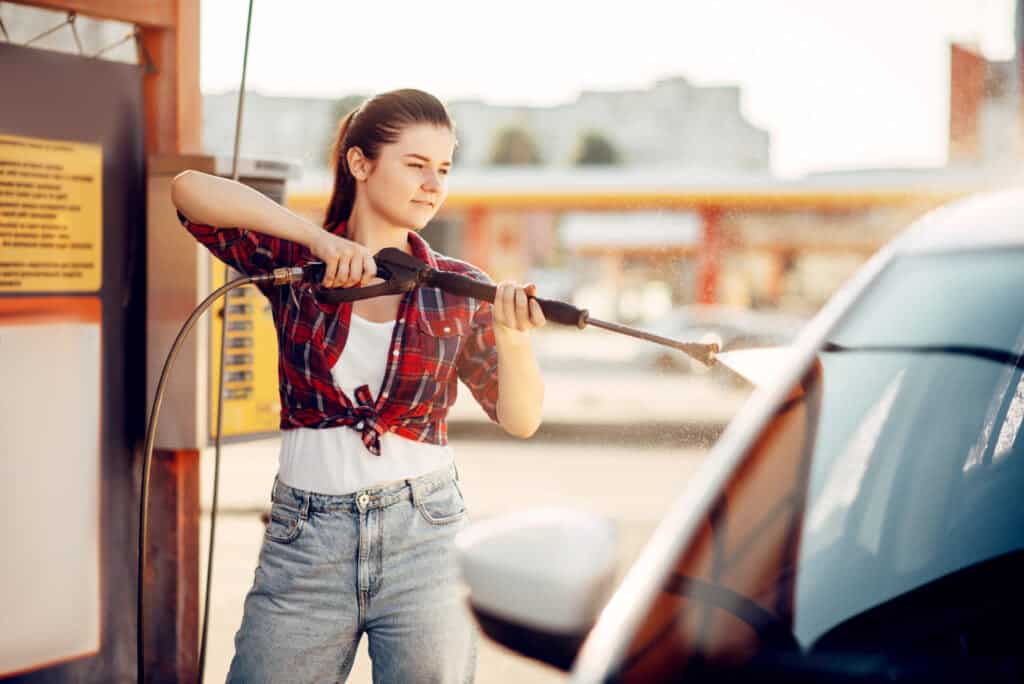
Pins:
x: 51, y: 215
x: 252, y: 402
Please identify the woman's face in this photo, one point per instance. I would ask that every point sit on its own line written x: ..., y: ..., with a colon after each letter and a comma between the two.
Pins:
x: 408, y: 181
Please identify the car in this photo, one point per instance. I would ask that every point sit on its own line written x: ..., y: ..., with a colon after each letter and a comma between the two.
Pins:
x: 731, y: 328
x: 860, y: 519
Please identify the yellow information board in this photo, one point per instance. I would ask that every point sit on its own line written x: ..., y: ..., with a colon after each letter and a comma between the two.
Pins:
x: 51, y: 215
x: 252, y: 403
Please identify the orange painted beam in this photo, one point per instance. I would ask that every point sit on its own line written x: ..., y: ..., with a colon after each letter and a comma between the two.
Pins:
x: 43, y: 309
x: 640, y: 199
x: 173, y: 104
x: 151, y: 13
x: 625, y: 200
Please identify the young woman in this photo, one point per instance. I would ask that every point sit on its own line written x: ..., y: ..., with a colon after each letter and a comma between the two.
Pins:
x: 366, y: 501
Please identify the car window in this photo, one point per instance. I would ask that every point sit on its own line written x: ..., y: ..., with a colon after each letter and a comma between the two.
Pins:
x: 879, y: 513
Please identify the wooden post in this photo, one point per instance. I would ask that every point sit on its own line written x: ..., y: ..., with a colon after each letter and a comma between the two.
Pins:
x: 173, y: 101
x: 172, y: 570
x: 173, y: 126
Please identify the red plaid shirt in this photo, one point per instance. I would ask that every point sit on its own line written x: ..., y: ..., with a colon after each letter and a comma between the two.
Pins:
x: 438, y: 338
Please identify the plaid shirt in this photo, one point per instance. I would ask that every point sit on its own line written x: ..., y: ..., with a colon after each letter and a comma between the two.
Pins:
x: 438, y: 339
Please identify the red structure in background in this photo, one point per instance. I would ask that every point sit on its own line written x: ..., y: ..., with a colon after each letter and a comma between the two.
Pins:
x: 709, y: 256
x: 967, y: 71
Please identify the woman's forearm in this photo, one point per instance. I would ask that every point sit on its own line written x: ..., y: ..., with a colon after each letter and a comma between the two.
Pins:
x: 221, y: 202
x: 520, y: 386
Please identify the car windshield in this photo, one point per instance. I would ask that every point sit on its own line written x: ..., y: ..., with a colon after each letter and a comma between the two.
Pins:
x: 880, y: 512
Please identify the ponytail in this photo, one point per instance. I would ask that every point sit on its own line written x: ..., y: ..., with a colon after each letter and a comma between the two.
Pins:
x: 343, y: 194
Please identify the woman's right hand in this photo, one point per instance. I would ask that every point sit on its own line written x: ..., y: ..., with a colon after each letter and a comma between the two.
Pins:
x: 347, y: 263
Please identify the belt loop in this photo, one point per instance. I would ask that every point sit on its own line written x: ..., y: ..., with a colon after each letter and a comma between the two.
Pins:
x: 306, y: 498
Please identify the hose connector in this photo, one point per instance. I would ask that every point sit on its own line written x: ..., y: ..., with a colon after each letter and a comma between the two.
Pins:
x: 281, y: 276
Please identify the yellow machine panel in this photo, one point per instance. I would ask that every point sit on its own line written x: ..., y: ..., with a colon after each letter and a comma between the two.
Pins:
x: 252, y: 404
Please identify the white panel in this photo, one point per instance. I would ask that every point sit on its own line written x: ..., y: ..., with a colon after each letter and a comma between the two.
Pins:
x: 50, y: 465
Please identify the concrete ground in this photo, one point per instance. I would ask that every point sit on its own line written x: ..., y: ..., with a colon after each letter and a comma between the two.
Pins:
x: 633, y: 488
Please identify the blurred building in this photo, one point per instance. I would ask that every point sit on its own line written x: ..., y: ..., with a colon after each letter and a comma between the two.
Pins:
x: 673, y: 124
x: 288, y: 128
x: 692, y: 213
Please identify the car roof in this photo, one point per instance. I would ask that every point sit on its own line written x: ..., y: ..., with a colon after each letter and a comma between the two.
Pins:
x: 984, y: 221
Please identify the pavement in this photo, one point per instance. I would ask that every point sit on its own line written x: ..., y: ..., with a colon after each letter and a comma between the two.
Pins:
x: 617, y: 439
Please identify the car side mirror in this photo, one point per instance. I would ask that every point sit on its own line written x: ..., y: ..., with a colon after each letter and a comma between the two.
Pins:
x: 538, y: 579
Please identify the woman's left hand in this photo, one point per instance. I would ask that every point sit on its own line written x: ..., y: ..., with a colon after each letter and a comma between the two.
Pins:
x: 514, y: 313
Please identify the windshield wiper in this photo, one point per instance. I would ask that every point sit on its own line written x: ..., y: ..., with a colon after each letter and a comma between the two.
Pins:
x: 998, y: 355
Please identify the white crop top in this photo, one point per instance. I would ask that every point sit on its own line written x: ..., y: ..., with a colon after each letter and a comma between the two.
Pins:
x: 334, y: 460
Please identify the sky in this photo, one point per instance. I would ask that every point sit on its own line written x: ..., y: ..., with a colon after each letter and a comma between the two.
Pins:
x: 837, y: 84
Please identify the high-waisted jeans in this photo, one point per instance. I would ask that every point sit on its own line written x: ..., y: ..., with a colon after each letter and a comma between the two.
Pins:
x: 379, y: 561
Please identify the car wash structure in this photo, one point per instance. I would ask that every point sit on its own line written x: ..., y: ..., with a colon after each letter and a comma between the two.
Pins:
x: 96, y: 277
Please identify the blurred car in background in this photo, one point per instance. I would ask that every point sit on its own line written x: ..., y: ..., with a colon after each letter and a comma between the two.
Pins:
x: 860, y: 520
x: 731, y: 328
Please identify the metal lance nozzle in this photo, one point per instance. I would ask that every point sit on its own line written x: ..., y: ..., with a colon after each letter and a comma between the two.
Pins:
x: 705, y: 353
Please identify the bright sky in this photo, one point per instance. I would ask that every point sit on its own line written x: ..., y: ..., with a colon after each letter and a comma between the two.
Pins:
x: 838, y: 84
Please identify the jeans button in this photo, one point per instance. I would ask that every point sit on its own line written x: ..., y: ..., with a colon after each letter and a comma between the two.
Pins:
x: 363, y: 500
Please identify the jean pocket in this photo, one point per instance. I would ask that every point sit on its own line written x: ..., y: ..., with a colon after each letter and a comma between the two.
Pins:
x: 443, y: 506
x: 285, y: 524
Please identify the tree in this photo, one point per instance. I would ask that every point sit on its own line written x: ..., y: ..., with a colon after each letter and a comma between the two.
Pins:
x: 595, y: 149
x: 514, y: 146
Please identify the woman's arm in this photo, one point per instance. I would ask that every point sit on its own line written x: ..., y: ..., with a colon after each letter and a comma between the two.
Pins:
x: 521, y: 388
x: 215, y: 201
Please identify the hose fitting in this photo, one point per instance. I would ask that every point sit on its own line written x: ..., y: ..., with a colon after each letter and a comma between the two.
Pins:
x: 281, y: 276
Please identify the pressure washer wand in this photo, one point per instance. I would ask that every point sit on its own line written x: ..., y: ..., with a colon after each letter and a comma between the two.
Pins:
x: 403, y: 272
x: 567, y: 314
x: 705, y: 353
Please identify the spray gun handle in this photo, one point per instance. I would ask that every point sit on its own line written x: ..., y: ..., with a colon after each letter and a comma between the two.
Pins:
x: 556, y: 311
x: 314, y: 271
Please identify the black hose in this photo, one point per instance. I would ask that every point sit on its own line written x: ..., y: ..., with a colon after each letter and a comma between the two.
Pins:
x: 148, y: 455
x: 201, y: 674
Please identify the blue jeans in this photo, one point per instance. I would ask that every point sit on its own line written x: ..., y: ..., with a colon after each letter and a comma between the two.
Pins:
x: 379, y: 561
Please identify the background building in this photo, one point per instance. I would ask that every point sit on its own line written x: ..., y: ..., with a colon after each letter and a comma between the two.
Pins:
x: 673, y: 124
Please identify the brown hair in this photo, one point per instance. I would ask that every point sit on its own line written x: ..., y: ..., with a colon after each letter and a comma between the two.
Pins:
x: 377, y: 121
